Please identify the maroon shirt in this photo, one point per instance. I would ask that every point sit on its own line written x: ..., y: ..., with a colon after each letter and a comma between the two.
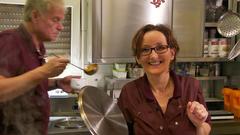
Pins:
x: 18, y: 55
x: 144, y: 115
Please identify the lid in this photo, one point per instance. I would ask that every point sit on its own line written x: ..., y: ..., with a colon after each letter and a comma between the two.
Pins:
x: 100, y: 113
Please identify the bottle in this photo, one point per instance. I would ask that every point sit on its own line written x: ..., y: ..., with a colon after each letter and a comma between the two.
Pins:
x: 197, y: 70
x: 217, y: 69
x: 205, y: 48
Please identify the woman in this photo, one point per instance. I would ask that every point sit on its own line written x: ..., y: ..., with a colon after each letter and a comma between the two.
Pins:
x: 162, y: 102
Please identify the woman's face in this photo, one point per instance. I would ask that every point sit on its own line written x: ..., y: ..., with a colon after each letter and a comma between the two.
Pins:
x: 155, y: 55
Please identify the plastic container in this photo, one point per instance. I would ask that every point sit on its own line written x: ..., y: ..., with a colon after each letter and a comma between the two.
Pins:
x: 120, y: 66
x: 135, y: 72
x: 119, y: 74
x: 228, y: 93
x: 236, y: 103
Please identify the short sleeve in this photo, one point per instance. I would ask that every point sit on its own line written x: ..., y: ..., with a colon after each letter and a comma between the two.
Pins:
x: 9, y: 56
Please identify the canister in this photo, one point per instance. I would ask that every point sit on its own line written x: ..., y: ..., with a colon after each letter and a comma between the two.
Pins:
x: 213, y: 47
x: 223, y: 47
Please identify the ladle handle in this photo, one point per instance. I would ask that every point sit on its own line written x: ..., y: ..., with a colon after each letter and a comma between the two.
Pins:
x: 69, y: 62
x: 76, y: 66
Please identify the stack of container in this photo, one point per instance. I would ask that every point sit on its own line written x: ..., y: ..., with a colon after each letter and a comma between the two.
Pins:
x: 232, y: 101
x: 119, y: 70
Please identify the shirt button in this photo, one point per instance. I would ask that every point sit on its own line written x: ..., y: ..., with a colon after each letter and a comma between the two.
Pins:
x: 161, y: 127
x: 176, y: 123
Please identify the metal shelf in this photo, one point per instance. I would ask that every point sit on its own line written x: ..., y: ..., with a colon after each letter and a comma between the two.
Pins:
x: 211, y: 24
x: 213, y: 100
x: 206, y: 78
x: 201, y: 59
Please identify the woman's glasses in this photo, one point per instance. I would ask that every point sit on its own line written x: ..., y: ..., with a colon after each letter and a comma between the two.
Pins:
x: 160, y: 49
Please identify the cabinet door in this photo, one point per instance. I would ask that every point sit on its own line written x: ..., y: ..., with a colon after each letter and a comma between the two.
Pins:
x: 188, y: 27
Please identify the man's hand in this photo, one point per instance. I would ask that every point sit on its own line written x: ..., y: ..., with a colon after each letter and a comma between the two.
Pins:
x: 54, y: 67
x: 65, y: 83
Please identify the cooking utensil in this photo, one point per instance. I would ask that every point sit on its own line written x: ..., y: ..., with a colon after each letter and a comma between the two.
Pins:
x: 235, y: 51
x: 229, y: 24
x: 100, y: 113
x: 89, y: 69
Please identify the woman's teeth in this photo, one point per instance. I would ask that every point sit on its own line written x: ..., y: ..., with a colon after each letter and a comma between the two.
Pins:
x: 155, y: 63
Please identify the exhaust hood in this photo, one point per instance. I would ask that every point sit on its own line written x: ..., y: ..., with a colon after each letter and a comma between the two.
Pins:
x: 114, y: 22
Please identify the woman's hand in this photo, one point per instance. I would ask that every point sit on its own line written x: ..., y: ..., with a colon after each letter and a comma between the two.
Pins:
x: 65, y: 83
x: 197, y: 113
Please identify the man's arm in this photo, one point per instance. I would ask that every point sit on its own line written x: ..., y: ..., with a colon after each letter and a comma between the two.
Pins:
x: 13, y: 87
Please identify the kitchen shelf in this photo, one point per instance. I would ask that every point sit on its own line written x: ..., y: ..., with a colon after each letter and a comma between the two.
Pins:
x: 211, y: 24
x: 206, y: 78
x: 207, y: 59
x: 213, y: 100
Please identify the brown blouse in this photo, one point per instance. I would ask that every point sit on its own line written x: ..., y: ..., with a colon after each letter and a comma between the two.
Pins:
x: 144, y: 115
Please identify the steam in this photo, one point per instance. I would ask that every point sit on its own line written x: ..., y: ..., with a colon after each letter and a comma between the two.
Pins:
x: 22, y: 117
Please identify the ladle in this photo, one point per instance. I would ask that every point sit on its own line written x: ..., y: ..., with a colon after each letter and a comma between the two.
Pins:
x: 89, y: 70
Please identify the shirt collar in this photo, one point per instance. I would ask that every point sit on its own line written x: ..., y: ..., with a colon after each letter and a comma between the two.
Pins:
x: 28, y: 38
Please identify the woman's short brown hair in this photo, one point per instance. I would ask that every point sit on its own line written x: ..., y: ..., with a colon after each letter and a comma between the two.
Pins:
x: 138, y: 38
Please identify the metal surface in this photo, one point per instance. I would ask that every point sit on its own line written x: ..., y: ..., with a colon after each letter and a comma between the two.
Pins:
x: 70, y: 123
x: 100, y: 114
x: 116, y: 21
x: 188, y: 27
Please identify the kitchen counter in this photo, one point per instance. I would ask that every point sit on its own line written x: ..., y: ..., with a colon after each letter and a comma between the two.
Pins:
x: 226, y: 127
x: 219, y: 127
x: 59, y: 131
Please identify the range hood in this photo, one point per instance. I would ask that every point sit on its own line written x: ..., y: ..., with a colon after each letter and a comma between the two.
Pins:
x: 114, y: 22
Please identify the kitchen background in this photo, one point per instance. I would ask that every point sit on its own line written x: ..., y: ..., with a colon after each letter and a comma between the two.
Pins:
x: 100, y: 31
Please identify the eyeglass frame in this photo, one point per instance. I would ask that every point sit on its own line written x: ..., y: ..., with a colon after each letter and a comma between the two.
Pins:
x: 154, y: 48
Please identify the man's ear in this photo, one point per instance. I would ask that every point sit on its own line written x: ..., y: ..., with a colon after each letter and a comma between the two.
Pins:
x: 35, y: 15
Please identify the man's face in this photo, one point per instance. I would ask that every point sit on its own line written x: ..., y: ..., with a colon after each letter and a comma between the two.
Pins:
x: 49, y: 24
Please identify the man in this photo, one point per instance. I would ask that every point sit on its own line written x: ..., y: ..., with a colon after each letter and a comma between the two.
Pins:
x: 24, y: 101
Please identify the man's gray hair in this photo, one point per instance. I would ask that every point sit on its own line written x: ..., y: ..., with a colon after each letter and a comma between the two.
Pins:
x: 40, y: 5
